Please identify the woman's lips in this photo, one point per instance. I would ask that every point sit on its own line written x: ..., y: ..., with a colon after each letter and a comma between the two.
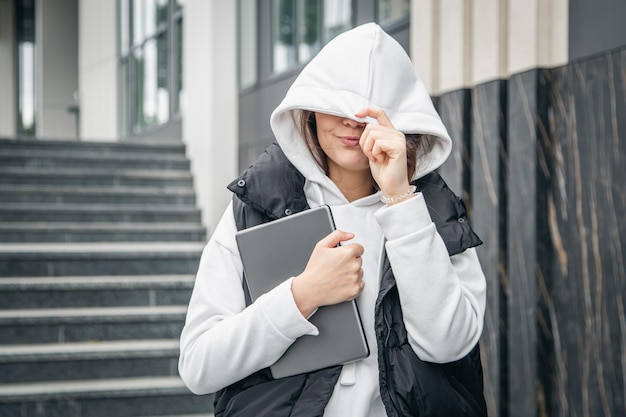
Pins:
x: 351, y: 141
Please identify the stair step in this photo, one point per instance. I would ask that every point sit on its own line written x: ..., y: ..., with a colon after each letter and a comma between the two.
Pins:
x: 35, y: 159
x: 145, y: 146
x: 187, y: 415
x: 24, y: 212
x: 18, y: 232
x: 63, y: 325
x: 95, y: 176
x: 88, y: 360
x: 91, y: 315
x: 203, y: 414
x: 95, y: 291
x: 96, y: 195
x: 96, y: 282
x: 112, y: 387
x: 73, y: 259
x: 124, y: 397
x: 87, y: 152
x: 91, y: 329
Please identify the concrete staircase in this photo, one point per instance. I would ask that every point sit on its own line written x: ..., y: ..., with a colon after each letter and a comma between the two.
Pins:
x: 99, y: 244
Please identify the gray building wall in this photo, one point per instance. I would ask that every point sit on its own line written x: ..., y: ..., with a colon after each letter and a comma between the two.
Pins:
x: 595, y: 26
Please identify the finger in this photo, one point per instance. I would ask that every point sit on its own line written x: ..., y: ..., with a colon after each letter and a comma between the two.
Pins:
x: 384, y: 148
x: 355, y: 250
x: 379, y: 149
x: 359, y: 288
x: 334, y: 238
x: 367, y: 143
x: 378, y: 152
x: 378, y: 114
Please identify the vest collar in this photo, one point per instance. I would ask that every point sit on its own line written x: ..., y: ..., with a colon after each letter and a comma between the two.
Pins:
x: 272, y: 185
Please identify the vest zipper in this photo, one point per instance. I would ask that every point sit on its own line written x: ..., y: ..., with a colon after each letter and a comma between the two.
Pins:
x: 390, y: 388
x: 389, y: 381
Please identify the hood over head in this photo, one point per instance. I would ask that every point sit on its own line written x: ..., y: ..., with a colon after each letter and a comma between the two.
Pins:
x: 363, y: 67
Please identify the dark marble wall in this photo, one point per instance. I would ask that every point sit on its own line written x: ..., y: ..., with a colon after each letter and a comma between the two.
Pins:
x: 488, y: 148
x: 582, y: 324
x: 455, y: 109
x: 525, y: 235
x: 542, y: 161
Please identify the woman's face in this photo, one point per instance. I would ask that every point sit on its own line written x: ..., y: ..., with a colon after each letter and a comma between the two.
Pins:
x: 339, y: 139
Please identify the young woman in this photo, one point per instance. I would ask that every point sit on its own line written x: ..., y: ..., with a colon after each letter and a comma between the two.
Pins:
x: 356, y: 131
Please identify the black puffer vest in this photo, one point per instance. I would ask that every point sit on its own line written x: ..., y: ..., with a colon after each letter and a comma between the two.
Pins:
x: 272, y: 188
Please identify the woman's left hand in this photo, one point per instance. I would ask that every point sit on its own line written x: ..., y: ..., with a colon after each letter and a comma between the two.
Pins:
x: 385, y: 147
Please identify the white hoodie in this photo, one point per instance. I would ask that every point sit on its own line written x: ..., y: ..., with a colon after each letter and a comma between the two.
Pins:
x: 442, y: 297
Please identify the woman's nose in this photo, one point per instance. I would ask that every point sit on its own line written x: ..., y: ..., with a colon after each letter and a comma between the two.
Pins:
x: 352, y: 123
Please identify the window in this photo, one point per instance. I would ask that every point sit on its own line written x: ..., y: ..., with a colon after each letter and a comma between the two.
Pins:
x: 283, y: 35
x: 247, y: 43
x: 151, y: 84
x: 337, y: 18
x: 178, y: 57
x: 26, y: 64
x: 391, y: 12
x: 301, y: 27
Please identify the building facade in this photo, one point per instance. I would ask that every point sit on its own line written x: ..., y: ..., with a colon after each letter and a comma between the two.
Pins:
x: 531, y: 91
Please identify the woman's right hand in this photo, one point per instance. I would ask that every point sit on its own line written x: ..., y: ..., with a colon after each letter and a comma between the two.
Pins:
x: 332, y: 275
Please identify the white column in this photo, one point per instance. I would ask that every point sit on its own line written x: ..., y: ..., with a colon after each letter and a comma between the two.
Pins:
x: 98, y: 86
x: 455, y: 35
x: 553, y: 33
x: 8, y: 79
x: 210, y: 101
x: 489, y: 40
x: 460, y: 43
x: 523, y: 39
x: 538, y: 34
x: 424, y: 45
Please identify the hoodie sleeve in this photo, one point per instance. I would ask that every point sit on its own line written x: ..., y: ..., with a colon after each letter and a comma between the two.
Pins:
x: 223, y: 341
x: 442, y: 297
